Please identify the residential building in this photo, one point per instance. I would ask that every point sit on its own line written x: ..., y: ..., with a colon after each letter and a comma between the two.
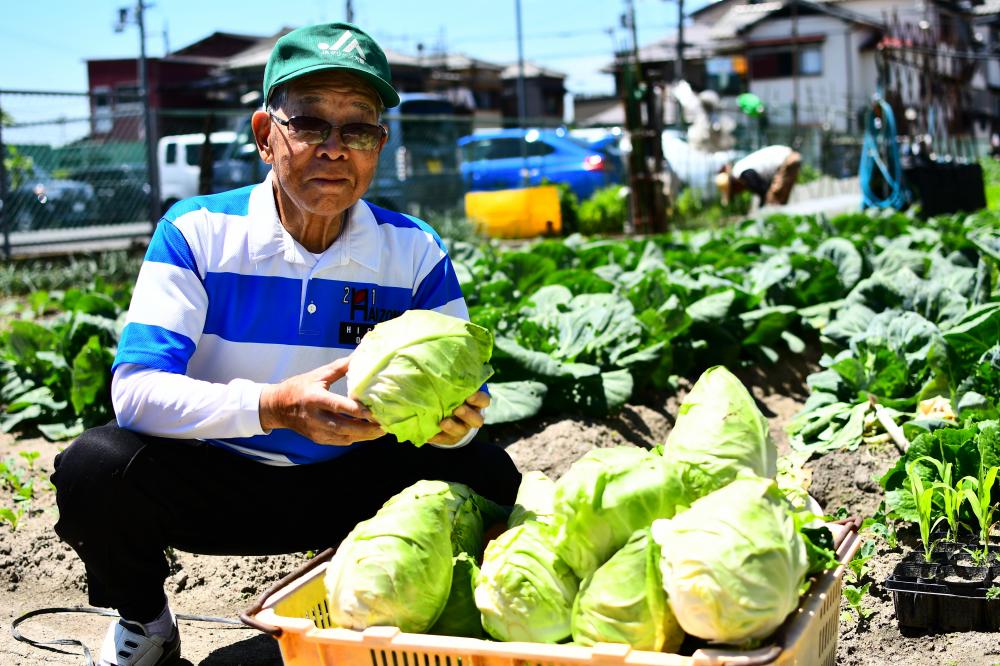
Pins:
x: 816, y: 62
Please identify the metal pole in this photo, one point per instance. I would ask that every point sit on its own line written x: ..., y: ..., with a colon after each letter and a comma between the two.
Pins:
x: 522, y: 102
x: 795, y: 68
x: 350, y: 11
x: 147, y: 116
x: 3, y: 192
x: 679, y: 63
x: 850, y: 79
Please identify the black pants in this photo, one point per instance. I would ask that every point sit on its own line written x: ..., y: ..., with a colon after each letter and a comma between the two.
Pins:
x: 124, y: 497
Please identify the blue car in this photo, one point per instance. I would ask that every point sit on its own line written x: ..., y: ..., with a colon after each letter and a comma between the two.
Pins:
x: 493, y: 161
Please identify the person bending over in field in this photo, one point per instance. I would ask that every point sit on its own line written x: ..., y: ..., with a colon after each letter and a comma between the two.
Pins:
x: 769, y: 173
x: 233, y: 431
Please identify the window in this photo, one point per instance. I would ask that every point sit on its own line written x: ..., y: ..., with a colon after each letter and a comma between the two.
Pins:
x: 777, y: 63
x: 539, y: 148
x: 171, y: 156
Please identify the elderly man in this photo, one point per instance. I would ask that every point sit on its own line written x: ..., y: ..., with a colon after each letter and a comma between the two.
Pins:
x: 234, y: 434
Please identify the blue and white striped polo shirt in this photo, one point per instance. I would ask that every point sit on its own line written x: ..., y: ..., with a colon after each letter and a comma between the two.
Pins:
x: 225, y: 293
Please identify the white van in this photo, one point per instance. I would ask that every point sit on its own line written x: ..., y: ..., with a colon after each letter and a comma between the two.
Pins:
x: 179, y: 162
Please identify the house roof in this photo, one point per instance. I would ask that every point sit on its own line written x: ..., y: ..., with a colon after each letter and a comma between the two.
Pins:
x: 257, y: 55
x: 531, y: 70
x: 741, y: 18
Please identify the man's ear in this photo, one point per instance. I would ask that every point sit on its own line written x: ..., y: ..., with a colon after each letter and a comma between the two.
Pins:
x: 261, y: 124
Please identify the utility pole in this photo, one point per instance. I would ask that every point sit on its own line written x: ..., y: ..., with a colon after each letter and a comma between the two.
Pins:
x: 679, y: 62
x: 795, y: 69
x: 522, y: 102
x: 137, y: 15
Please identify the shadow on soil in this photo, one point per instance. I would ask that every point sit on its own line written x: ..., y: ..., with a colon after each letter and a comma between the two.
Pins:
x: 257, y: 651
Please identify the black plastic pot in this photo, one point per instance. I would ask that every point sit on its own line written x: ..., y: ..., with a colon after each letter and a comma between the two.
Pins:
x: 947, y: 600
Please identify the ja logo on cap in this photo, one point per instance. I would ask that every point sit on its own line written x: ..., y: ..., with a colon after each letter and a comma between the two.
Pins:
x: 338, y: 46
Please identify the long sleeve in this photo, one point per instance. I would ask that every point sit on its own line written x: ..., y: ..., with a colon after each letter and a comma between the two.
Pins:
x: 167, y: 404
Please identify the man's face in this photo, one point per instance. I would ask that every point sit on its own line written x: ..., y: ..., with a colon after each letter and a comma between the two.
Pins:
x: 327, y: 178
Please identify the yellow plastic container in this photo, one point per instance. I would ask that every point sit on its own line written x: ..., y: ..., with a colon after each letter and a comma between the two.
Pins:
x: 295, y: 612
x: 522, y: 213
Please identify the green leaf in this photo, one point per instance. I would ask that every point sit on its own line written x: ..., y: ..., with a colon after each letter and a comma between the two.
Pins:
x: 91, y: 371
x: 712, y: 309
x: 975, y: 333
x: 9, y: 421
x: 26, y: 339
x: 843, y: 253
x: 513, y: 401
x: 57, y: 432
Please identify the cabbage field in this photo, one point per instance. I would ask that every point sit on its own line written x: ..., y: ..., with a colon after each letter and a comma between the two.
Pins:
x: 871, y: 342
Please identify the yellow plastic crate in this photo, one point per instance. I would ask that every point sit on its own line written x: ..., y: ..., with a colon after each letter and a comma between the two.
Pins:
x: 520, y: 213
x: 295, y: 612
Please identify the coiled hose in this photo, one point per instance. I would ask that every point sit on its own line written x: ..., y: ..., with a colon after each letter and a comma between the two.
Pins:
x: 880, y: 135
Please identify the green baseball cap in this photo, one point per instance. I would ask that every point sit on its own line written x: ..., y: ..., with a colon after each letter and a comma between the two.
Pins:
x: 316, y: 48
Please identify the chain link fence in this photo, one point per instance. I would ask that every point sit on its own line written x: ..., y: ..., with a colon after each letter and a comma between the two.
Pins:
x: 74, y: 169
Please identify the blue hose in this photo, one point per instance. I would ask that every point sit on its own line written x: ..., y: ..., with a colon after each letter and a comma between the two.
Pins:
x: 882, y: 133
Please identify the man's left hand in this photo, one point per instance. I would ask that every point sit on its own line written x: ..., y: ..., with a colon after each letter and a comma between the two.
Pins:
x: 466, y: 416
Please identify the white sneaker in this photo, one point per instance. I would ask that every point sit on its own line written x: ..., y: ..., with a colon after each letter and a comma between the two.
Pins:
x: 126, y: 644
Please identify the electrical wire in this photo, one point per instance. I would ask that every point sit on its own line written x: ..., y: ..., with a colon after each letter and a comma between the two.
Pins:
x: 45, y: 645
x: 881, y: 133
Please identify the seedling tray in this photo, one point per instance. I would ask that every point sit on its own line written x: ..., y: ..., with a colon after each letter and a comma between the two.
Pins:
x: 942, y: 596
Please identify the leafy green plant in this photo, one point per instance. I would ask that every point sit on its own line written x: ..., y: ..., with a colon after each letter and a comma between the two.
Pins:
x: 55, y: 371
x: 858, y: 565
x: 977, y: 492
x: 993, y: 592
x: 16, y: 478
x: 605, y: 212
x: 855, y: 597
x: 950, y: 495
x: 924, y: 498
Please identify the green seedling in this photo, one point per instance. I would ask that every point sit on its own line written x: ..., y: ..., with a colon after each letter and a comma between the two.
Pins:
x: 993, y: 592
x: 855, y: 597
x: 924, y: 499
x: 858, y: 566
x: 977, y: 492
x: 950, y: 496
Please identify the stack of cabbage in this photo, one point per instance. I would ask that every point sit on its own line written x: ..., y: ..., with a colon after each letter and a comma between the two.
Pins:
x: 629, y: 546
x: 414, y: 370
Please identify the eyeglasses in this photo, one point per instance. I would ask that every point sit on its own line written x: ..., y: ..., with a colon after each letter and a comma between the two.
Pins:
x: 314, y: 131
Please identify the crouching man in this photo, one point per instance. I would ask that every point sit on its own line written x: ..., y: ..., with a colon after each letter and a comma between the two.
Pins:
x: 234, y: 434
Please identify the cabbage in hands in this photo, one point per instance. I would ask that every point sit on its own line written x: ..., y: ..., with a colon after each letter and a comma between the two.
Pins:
x: 607, y: 495
x: 624, y: 601
x: 733, y: 563
x: 718, y: 435
x: 414, y: 370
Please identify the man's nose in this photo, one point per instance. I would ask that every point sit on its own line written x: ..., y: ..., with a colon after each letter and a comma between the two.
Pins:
x: 334, y: 146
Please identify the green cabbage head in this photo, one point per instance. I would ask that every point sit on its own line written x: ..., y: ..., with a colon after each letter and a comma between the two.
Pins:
x: 719, y: 434
x: 733, y: 563
x: 535, y: 499
x: 624, y: 601
x: 525, y: 591
x: 414, y: 370
x: 460, y: 616
x: 604, y: 497
x: 396, y: 567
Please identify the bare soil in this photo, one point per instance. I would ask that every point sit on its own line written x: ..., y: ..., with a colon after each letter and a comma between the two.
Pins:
x: 38, y: 570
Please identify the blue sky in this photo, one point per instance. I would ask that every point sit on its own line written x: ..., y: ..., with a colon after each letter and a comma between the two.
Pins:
x: 44, y: 43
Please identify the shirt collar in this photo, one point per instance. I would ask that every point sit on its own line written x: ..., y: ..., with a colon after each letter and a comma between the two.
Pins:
x: 358, y: 242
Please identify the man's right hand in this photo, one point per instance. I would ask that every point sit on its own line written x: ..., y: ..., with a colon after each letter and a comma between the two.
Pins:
x: 304, y: 403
